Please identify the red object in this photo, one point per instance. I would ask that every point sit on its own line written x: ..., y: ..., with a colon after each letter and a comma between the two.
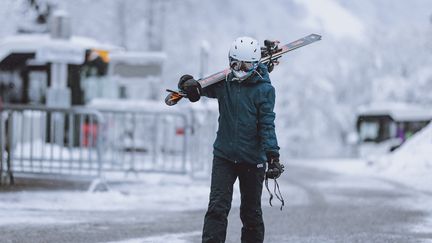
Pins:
x: 180, y: 131
x: 89, y: 130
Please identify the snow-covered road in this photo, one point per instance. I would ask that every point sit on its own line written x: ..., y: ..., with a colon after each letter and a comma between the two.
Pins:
x: 325, y: 202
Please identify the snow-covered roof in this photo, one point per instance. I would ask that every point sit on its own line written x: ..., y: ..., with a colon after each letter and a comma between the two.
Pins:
x: 138, y: 57
x: 48, y: 49
x: 398, y: 111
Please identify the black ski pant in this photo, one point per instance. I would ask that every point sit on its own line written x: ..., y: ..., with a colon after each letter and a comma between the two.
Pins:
x: 224, y: 174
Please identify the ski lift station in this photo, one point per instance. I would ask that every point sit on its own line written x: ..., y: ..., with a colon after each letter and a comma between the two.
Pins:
x: 382, y: 128
x: 58, y: 69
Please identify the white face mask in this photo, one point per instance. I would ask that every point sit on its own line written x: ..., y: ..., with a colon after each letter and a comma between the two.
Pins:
x: 242, y: 75
x: 242, y: 69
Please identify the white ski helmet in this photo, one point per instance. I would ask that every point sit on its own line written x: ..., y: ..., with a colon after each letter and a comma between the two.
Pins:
x: 245, y: 49
x: 244, y: 56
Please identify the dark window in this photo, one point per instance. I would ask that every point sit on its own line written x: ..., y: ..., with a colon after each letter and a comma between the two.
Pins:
x: 374, y: 128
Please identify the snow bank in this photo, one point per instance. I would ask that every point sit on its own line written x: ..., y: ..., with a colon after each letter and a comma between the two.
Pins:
x: 412, y: 162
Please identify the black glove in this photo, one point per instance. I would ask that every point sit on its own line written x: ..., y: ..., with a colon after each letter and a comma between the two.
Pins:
x: 190, y: 86
x: 275, y: 168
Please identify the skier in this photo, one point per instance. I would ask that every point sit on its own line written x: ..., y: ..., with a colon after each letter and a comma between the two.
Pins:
x: 245, y: 143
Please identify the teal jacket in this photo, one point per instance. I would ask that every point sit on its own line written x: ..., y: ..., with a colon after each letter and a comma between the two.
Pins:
x: 246, y: 119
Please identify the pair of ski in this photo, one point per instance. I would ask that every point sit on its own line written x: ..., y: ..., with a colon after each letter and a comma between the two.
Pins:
x: 270, y: 54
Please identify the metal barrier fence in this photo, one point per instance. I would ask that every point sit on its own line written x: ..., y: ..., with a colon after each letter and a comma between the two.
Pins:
x: 203, y: 133
x: 88, y: 142
x: 145, y: 141
x: 36, y: 139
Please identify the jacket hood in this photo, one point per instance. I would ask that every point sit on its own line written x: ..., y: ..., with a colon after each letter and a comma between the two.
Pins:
x: 260, y: 75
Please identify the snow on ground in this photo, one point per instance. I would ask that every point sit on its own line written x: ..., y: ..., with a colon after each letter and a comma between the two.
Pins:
x: 178, y: 193
x: 139, y: 193
x: 20, y: 217
x: 145, y: 192
x: 416, y: 178
x: 172, y: 238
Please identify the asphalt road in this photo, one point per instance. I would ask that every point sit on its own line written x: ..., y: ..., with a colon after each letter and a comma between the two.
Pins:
x: 321, y: 207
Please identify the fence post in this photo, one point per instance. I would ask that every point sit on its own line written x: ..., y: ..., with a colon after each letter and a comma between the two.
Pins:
x: 185, y: 144
x: 2, y: 137
x: 10, y: 148
x: 99, y: 144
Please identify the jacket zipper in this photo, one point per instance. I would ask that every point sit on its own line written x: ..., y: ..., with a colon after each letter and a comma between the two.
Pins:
x: 237, y: 120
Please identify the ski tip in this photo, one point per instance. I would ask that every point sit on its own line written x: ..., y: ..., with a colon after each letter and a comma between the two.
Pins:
x: 315, y: 36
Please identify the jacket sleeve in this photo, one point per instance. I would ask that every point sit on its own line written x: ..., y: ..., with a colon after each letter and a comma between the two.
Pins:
x: 266, y: 117
x: 210, y: 91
